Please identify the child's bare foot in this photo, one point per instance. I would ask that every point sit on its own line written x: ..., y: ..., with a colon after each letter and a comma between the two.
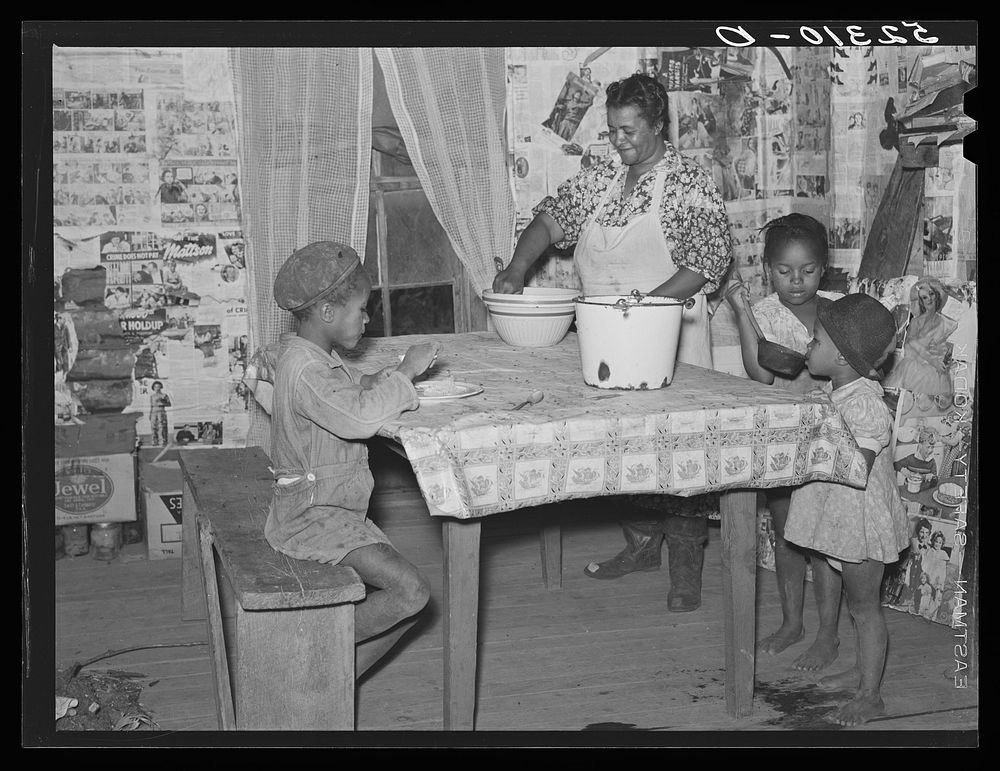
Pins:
x: 781, y: 639
x: 820, y: 655
x: 862, y: 708
x: 848, y: 680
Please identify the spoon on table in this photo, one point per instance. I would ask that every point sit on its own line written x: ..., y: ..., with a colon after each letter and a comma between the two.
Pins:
x: 533, y: 398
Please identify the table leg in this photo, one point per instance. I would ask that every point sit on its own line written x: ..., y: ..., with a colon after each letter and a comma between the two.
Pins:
x: 739, y: 589
x: 551, y: 543
x: 460, y: 539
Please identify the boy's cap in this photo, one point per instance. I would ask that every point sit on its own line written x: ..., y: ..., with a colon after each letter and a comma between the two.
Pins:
x: 312, y: 272
x: 863, y: 330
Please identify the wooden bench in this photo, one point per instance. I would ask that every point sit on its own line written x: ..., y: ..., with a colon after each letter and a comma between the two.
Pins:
x: 287, y: 663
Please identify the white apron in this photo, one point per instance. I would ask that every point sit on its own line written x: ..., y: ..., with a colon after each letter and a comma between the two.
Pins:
x: 615, y: 260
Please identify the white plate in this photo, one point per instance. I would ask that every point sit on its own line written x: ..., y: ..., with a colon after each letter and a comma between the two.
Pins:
x: 431, y: 391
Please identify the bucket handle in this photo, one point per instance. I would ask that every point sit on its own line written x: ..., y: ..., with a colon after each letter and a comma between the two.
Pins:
x: 636, y: 296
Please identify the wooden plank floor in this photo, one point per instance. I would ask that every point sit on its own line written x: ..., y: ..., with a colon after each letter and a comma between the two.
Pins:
x: 594, y: 655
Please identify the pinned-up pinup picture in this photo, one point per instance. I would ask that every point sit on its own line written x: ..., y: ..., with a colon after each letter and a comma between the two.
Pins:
x: 904, y: 577
x: 855, y: 121
x: 210, y: 432
x: 689, y: 69
x: 779, y: 177
x: 699, y: 120
x: 846, y: 233
x: 171, y: 189
x: 228, y: 284
x: 174, y: 287
x: 940, y: 179
x: 745, y: 166
x: 575, y: 98
x: 724, y: 173
x: 186, y: 433
x: 923, y: 582
x: 937, y: 237
x: 925, y: 366
x: 931, y: 463
x: 158, y: 403
x: 917, y: 463
x: 149, y: 298
x: 236, y: 251
x: 117, y: 297
x: 207, y: 339
x: 66, y: 343
x: 174, y: 213
x: 810, y: 186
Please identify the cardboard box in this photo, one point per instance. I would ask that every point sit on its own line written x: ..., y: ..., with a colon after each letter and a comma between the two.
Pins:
x: 163, y: 505
x: 99, y: 488
x: 98, y: 435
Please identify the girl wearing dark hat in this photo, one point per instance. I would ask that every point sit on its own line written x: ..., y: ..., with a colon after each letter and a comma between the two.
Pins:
x: 858, y: 531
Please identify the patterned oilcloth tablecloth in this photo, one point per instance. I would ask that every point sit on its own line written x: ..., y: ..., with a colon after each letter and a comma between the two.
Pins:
x: 707, y: 431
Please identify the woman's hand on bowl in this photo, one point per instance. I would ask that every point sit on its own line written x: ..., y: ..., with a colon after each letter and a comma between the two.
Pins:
x: 508, y: 281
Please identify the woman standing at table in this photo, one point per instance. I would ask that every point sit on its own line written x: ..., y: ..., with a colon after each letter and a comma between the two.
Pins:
x: 653, y: 220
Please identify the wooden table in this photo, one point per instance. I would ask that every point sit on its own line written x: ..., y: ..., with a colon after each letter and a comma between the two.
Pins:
x: 475, y: 457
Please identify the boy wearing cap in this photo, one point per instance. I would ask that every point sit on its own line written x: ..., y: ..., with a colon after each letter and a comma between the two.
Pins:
x: 858, y: 531
x: 322, y: 410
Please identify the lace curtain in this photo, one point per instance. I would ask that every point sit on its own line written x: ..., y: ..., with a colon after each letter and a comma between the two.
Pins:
x: 449, y: 104
x: 304, y: 131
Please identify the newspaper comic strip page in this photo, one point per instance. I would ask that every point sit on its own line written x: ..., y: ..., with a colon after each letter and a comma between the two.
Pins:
x: 148, y: 247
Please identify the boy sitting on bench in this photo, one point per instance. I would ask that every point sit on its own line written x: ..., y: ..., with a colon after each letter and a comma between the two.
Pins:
x: 322, y: 411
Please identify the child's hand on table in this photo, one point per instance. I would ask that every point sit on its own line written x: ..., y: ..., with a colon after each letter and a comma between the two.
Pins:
x: 418, y: 359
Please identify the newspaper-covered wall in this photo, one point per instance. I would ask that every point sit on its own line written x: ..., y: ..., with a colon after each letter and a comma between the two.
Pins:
x: 757, y: 119
x: 780, y: 129
x: 808, y: 130
x: 150, y: 308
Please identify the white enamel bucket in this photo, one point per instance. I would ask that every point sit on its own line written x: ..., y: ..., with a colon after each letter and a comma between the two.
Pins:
x: 629, y: 342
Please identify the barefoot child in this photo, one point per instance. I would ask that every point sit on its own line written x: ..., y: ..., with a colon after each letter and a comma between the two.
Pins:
x: 858, y: 531
x: 795, y: 254
x: 321, y: 411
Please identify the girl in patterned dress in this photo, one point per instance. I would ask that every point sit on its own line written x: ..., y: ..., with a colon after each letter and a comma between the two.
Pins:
x: 795, y: 254
x: 858, y: 531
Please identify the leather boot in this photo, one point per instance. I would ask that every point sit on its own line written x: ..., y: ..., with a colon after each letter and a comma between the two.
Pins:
x: 686, y: 539
x: 642, y: 551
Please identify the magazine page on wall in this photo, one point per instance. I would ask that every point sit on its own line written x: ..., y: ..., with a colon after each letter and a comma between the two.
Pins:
x: 931, y: 383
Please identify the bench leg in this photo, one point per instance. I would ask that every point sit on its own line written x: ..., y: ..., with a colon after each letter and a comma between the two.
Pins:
x: 192, y: 594
x: 739, y: 592
x: 551, y: 543
x: 461, y: 621
x: 216, y: 634
x: 295, y: 669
